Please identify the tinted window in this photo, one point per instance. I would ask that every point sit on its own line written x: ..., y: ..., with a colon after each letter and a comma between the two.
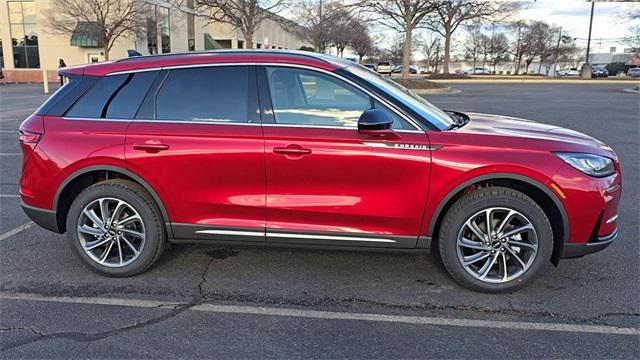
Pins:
x: 93, y: 102
x: 126, y: 102
x: 205, y: 94
x: 310, y: 98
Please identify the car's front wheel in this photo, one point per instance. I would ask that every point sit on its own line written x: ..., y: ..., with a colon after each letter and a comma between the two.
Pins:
x: 495, y: 239
x: 115, y: 228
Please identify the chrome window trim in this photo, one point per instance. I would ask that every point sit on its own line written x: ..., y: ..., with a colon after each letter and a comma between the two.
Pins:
x: 417, y: 128
x: 133, y: 71
x: 163, y: 121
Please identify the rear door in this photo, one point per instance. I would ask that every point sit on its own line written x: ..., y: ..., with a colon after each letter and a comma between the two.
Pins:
x: 328, y: 184
x: 197, y: 140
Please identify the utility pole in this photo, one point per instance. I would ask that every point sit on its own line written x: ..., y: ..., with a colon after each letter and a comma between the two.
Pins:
x: 555, y: 60
x: 586, y: 67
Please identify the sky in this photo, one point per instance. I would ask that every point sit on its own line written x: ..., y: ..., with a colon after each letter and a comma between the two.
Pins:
x: 609, y: 21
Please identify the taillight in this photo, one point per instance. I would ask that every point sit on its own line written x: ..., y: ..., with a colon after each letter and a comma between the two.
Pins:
x: 28, y: 137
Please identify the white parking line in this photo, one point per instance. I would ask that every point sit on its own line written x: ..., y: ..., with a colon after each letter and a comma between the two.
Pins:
x: 10, y: 154
x: 14, y: 231
x: 9, y: 195
x: 334, y: 315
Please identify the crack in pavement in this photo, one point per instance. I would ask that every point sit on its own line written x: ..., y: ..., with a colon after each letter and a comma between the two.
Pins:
x: 90, y: 337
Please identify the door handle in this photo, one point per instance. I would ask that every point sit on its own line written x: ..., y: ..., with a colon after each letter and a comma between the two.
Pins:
x: 295, y: 150
x: 151, y: 146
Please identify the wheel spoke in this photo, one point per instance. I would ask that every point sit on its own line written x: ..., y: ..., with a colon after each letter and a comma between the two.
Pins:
x: 468, y: 260
x: 522, y: 243
x: 104, y: 256
x: 94, y: 244
x: 119, y: 250
x: 484, y: 271
x: 135, y: 251
x: 505, y: 274
x: 476, y: 230
x: 132, y: 233
x: 464, y: 242
x: 515, y: 256
x: 505, y: 221
x: 86, y: 229
x: 93, y: 217
x: 116, y: 212
x: 104, y: 211
x: 128, y: 220
x: 527, y: 227
x: 488, y: 221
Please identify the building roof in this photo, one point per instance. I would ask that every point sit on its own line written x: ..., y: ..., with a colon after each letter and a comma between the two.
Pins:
x: 210, y: 57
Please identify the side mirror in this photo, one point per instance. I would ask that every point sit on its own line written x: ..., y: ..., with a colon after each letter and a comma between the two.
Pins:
x: 374, y: 120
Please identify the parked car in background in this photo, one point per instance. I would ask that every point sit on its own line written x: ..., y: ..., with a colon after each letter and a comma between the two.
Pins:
x: 569, y: 71
x: 370, y: 66
x: 599, y: 71
x: 476, y: 71
x: 634, y: 72
x: 398, y: 69
x: 384, y: 67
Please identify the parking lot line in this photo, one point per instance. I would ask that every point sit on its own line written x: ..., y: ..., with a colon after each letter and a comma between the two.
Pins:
x: 9, y: 195
x: 10, y: 154
x: 334, y: 315
x: 14, y: 231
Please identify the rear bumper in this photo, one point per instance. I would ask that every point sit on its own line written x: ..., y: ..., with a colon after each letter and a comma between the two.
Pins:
x: 582, y: 249
x: 42, y: 217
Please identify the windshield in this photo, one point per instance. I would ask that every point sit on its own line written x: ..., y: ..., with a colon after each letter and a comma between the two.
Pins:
x: 437, y: 117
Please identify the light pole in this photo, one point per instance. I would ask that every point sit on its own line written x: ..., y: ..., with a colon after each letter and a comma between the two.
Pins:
x: 586, y: 67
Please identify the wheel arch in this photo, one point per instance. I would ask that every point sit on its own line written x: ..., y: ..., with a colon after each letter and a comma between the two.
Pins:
x: 77, y: 181
x: 541, y: 194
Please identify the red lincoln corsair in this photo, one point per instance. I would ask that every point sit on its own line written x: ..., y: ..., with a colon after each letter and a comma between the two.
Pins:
x: 296, y: 149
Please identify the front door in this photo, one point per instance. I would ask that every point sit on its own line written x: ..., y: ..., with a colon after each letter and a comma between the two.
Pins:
x: 198, y: 143
x: 328, y: 184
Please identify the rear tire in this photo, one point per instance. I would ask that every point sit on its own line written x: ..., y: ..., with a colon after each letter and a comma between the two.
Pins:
x: 515, y: 248
x: 129, y: 242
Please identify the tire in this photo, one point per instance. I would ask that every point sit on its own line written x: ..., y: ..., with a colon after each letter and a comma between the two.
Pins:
x: 501, y: 203
x: 141, y: 216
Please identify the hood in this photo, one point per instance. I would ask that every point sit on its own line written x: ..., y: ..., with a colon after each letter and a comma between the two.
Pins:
x: 529, y: 134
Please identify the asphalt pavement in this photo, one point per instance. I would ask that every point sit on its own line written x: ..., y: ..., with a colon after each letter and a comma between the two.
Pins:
x: 205, y: 301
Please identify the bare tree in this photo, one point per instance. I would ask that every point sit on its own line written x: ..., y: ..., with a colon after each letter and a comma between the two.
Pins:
x: 361, y: 41
x: 243, y: 15
x: 519, y: 45
x: 403, y: 16
x: 428, y: 47
x: 341, y: 31
x: 474, y: 44
x: 316, y: 19
x: 106, y: 20
x: 499, y: 49
x: 450, y: 14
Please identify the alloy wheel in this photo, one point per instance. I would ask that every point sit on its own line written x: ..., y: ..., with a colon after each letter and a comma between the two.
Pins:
x: 497, y: 245
x: 111, y: 232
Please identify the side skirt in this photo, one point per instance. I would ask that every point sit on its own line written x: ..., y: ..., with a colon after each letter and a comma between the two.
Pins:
x: 189, y: 233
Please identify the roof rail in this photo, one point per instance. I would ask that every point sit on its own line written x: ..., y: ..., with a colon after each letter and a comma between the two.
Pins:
x: 301, y: 53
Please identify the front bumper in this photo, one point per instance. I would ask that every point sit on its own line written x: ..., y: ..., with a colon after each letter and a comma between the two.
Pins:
x: 42, y: 217
x: 582, y: 249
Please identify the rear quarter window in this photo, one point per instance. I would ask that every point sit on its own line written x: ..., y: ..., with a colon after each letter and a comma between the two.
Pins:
x: 115, y: 96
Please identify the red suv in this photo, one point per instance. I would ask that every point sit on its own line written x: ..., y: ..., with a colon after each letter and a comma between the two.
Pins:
x: 297, y: 149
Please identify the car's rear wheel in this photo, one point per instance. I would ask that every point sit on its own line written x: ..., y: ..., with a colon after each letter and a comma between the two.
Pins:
x: 495, y: 239
x: 115, y: 228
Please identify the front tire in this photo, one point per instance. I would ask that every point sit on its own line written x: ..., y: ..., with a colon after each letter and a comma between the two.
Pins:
x: 115, y: 228
x: 495, y: 239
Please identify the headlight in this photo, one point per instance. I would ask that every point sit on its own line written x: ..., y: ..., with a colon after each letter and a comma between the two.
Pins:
x: 593, y: 165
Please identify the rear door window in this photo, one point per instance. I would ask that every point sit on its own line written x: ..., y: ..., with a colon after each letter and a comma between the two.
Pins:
x: 208, y: 94
x: 126, y: 102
